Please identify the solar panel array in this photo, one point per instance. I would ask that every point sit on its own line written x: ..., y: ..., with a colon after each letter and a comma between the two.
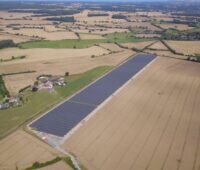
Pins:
x: 62, y: 119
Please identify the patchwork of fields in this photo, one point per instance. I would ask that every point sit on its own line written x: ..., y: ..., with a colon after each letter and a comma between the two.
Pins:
x: 149, y: 121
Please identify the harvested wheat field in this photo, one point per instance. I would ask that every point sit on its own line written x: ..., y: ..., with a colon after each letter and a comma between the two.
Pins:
x: 34, y: 32
x: 52, y: 28
x: 91, y: 36
x: 185, y: 47
x: 14, y: 15
x: 166, y: 53
x: 16, y: 82
x: 57, y: 166
x: 22, y: 150
x: 138, y: 45
x: 180, y: 27
x: 33, y: 21
x: 151, y: 124
x: 15, y: 38
x: 47, y: 54
x: 111, y: 47
x: 158, y: 46
x: 162, y: 18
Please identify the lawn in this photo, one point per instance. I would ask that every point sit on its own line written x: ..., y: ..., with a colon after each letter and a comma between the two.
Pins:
x: 109, y: 38
x: 41, y: 101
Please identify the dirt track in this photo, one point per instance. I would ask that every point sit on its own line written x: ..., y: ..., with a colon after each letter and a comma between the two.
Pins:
x: 152, y: 124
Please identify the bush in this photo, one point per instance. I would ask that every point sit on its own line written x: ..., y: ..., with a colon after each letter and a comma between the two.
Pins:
x: 3, y: 90
x: 69, y: 162
x: 62, y: 19
x: 37, y: 165
x: 6, y: 44
x: 66, y: 73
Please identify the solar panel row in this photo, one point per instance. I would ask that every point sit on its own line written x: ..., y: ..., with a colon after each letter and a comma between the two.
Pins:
x: 62, y: 119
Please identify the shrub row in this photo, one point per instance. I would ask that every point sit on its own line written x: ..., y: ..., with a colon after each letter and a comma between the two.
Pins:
x: 37, y: 165
x: 3, y: 90
x: 6, y: 44
x: 23, y: 72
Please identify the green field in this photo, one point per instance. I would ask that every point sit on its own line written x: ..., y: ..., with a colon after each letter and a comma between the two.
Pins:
x: 41, y: 101
x: 109, y: 38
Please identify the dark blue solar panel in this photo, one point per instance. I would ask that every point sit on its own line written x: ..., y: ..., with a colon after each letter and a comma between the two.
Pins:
x: 62, y: 119
x: 96, y: 93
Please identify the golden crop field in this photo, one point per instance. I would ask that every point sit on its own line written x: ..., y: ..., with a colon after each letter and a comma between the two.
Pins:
x: 181, y: 27
x: 15, y: 38
x: 185, y: 47
x: 151, y: 124
x: 138, y: 45
x: 41, y: 33
x: 22, y: 150
x: 111, y: 47
x: 158, y: 46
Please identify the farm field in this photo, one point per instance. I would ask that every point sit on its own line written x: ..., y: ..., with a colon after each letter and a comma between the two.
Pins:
x: 158, y: 46
x: 90, y: 36
x: 14, y: 83
x: 111, y: 47
x: 185, y: 47
x: 152, y: 123
x: 33, y: 21
x: 61, y: 44
x: 41, y: 54
x: 15, y: 38
x: 13, y: 15
x: 138, y: 45
x: 165, y: 53
x: 12, y: 118
x: 41, y: 33
x: 147, y: 35
x: 21, y: 150
x: 180, y: 27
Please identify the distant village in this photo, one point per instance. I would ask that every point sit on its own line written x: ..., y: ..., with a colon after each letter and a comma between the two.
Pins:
x: 42, y: 82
